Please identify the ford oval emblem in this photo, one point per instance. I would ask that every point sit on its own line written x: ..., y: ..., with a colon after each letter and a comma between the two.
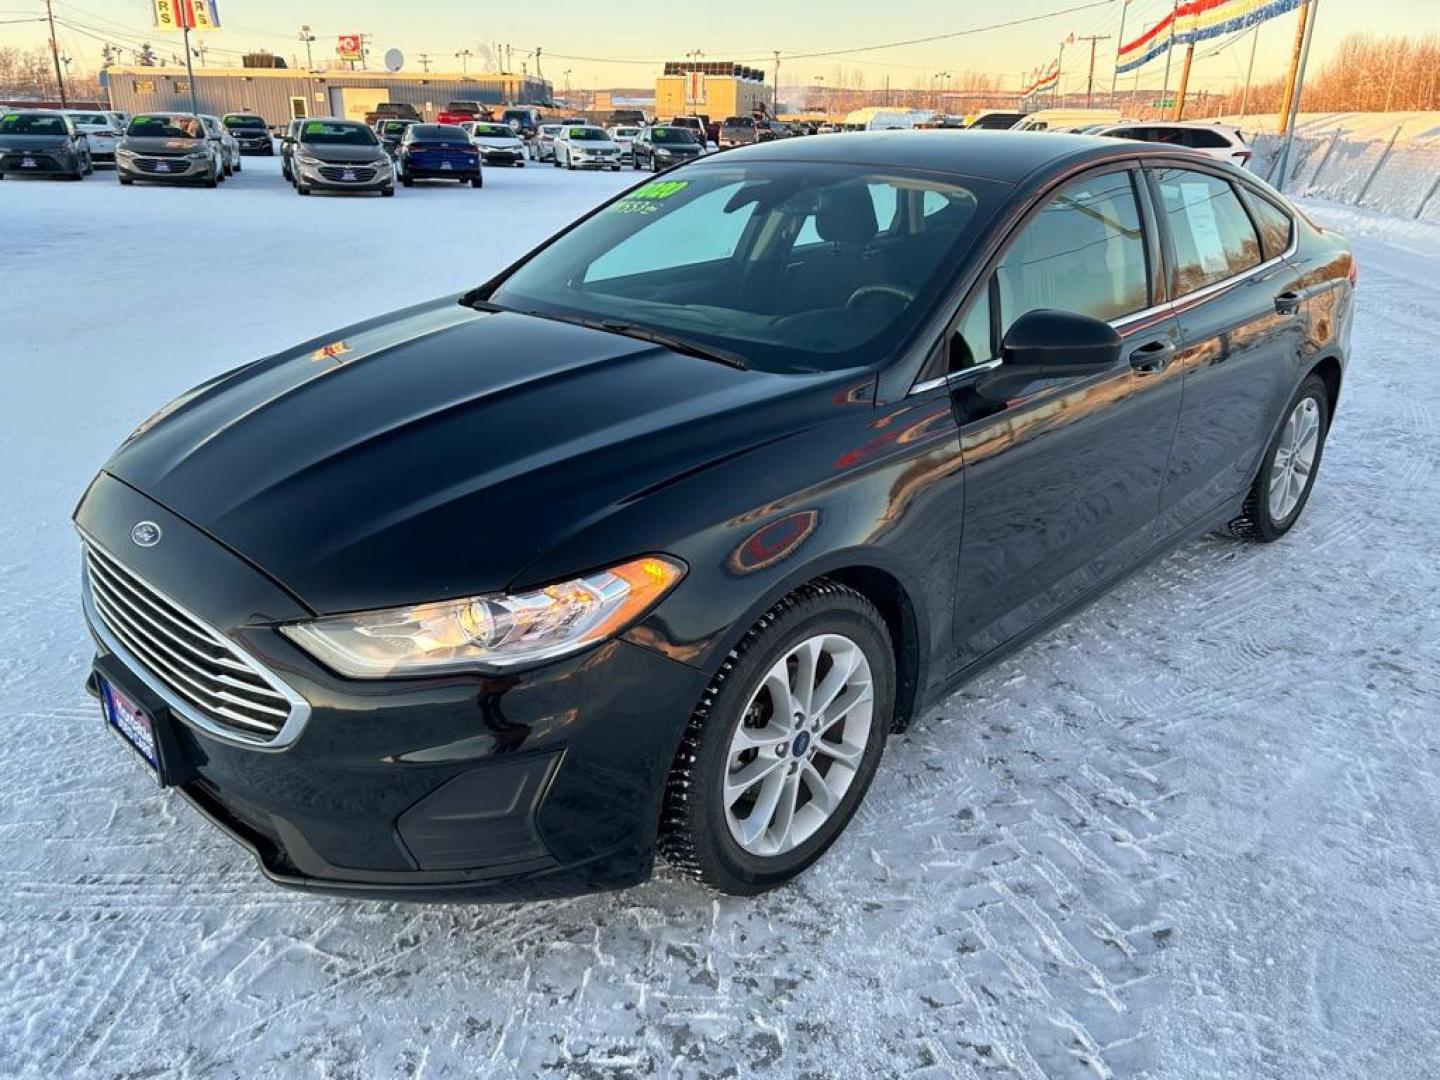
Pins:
x: 145, y: 534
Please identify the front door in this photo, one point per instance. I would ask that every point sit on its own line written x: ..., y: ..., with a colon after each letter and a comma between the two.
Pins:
x: 1063, y: 477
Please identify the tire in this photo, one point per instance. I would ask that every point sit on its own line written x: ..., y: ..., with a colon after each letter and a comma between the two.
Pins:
x: 301, y: 189
x: 407, y: 181
x: 212, y: 181
x: 476, y: 181
x: 519, y: 164
x: 555, y: 161
x: 654, y: 165
x: 697, y: 834
x: 126, y: 181
x: 388, y: 192
x: 1261, y: 519
x: 635, y: 164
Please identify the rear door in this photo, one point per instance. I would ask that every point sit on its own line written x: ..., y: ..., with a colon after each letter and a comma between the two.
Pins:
x: 1063, y: 479
x: 1232, y: 288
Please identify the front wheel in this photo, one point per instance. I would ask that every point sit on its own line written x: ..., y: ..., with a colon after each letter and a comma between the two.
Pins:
x: 407, y: 180
x: 783, y: 744
x: 1287, y: 473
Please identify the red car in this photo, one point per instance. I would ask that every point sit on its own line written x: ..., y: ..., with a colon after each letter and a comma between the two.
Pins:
x: 460, y: 112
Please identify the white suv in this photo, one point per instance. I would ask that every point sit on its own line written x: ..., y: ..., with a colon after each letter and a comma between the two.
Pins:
x: 1220, y: 141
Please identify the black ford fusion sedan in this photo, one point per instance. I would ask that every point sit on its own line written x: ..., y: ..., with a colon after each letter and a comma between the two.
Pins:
x: 649, y: 542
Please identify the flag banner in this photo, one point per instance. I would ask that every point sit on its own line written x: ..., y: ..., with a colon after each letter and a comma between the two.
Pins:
x: 168, y: 14
x: 182, y: 14
x: 1044, y: 83
x: 205, y: 14
x: 1198, y: 20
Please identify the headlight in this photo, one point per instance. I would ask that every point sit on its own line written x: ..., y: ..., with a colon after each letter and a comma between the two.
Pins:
x: 489, y: 632
x: 198, y: 155
x: 662, y: 152
x: 124, y: 152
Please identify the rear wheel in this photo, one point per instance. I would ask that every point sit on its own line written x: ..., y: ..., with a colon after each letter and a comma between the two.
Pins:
x: 476, y: 181
x: 408, y: 181
x: 301, y: 189
x: 1287, y: 473
x: 783, y: 744
x: 211, y: 180
x: 388, y: 192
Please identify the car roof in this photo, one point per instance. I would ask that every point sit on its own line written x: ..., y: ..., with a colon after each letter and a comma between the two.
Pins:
x: 1007, y: 156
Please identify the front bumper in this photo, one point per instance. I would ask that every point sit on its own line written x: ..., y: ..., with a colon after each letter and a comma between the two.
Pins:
x: 540, y: 783
x: 368, y: 177
x: 597, y: 162
x: 44, y: 162
x: 502, y: 157
x: 256, y: 146
x: 162, y: 169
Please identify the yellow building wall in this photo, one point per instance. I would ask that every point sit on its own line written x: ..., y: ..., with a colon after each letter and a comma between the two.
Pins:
x: 723, y: 97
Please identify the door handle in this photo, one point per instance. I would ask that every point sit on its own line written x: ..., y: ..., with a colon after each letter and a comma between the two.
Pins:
x: 1153, y: 357
x: 1288, y: 303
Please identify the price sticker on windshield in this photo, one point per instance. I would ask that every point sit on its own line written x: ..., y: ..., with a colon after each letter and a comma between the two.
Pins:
x: 643, y: 200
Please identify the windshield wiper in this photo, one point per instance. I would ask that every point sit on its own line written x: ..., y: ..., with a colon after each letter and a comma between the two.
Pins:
x: 624, y: 329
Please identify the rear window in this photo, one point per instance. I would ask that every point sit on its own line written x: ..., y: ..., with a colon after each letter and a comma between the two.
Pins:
x: 588, y: 134
x: 417, y: 132
x: 328, y: 133
x: 32, y: 124
x: 91, y: 118
x: 494, y: 131
x: 673, y: 135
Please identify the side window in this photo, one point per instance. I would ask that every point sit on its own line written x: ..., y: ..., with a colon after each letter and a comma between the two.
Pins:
x: 971, y: 344
x: 1276, y: 226
x: 1201, y: 139
x: 1213, y: 236
x: 1084, y: 252
x: 698, y: 233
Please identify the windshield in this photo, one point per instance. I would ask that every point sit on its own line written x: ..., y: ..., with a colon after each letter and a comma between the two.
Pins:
x: 523, y: 115
x: 494, y: 131
x: 586, y: 134
x: 795, y: 267
x: 165, y: 127
x: 740, y: 121
x: 672, y: 136
x: 627, y: 132
x: 31, y: 124
x: 244, y: 122
x: 323, y: 133
x: 550, y: 129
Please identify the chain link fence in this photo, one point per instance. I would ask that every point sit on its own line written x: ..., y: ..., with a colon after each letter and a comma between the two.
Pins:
x: 1386, y: 174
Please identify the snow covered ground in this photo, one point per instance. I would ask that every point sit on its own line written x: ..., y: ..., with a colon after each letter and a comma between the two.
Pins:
x: 1190, y: 833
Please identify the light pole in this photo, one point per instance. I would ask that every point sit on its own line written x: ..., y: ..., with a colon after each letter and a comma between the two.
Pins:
x: 307, y: 37
x: 55, y: 55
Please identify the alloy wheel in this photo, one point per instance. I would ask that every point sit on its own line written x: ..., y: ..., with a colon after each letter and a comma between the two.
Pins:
x: 1294, y: 458
x: 799, y: 744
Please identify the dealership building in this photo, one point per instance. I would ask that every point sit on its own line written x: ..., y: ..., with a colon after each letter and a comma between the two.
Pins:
x: 282, y: 94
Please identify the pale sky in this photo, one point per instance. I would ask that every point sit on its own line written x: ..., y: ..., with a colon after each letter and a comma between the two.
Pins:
x: 632, y: 37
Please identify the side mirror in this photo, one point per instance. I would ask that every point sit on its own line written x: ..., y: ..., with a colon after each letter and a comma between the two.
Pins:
x: 1047, y: 344
x: 1051, y: 344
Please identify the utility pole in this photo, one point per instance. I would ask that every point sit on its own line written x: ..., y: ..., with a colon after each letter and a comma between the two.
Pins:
x: 1059, y: 67
x: 1302, y: 26
x: 775, y: 89
x: 1119, y: 44
x: 1169, y: 51
x: 1296, y: 91
x: 307, y: 37
x: 424, y: 59
x: 1249, y: 71
x: 1090, y: 79
x: 1184, y: 82
x: 55, y: 55
x: 464, y: 57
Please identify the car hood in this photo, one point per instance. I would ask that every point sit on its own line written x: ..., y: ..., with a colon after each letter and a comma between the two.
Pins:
x: 33, y: 142
x: 344, y: 155
x: 594, y: 144
x: 162, y: 146
x: 439, y: 451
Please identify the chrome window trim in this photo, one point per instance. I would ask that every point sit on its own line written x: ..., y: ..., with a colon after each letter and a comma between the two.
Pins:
x: 299, y: 707
x: 1168, y: 307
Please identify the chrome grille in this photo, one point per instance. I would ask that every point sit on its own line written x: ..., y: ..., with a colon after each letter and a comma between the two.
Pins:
x: 192, y: 661
x: 172, y: 164
x: 360, y: 174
